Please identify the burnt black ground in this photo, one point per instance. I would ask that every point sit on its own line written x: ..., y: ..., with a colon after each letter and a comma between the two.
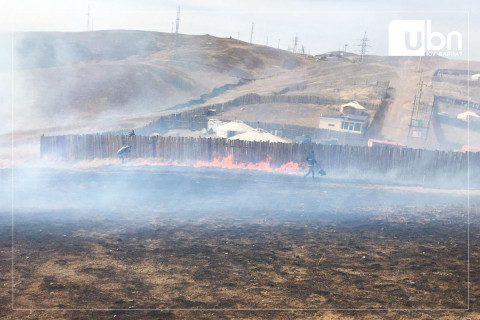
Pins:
x: 159, y: 238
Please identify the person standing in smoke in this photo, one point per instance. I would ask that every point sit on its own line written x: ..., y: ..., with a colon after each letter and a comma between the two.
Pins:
x: 123, y: 151
x: 311, y: 161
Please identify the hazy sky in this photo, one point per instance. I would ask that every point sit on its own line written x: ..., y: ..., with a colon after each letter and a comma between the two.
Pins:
x: 321, y: 25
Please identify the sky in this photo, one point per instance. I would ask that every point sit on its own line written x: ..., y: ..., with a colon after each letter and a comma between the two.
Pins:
x: 321, y: 26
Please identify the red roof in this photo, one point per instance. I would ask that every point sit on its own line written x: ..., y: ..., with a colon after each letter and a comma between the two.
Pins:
x: 372, y: 141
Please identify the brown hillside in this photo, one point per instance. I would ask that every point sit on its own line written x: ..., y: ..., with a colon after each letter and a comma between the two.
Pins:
x: 110, y: 80
x: 108, y: 75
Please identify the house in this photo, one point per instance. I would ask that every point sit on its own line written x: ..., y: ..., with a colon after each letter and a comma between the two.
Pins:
x: 475, y: 77
x: 345, y: 123
x: 232, y: 128
x: 257, y: 135
x: 352, y: 118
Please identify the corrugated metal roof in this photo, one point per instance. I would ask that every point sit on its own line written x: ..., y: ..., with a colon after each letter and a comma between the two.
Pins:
x: 257, y: 135
x: 352, y: 104
x: 238, y: 126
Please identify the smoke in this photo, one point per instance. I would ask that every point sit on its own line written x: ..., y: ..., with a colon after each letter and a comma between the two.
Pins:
x: 89, y: 82
x: 173, y: 190
x: 107, y: 80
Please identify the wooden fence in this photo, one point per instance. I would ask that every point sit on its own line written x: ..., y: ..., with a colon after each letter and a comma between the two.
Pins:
x: 457, y: 76
x: 455, y: 72
x: 405, y: 163
x: 456, y: 102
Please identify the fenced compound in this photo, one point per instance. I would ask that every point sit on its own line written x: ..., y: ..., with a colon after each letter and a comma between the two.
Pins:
x: 196, y: 119
x: 457, y: 76
x: 404, y: 163
x: 317, y: 134
x: 455, y: 102
x: 288, y: 131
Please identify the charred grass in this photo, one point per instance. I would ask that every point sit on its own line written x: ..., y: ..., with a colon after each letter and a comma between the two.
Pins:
x: 406, y: 259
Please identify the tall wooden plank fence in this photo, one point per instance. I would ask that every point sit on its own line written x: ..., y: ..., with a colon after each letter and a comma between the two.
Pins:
x: 404, y: 163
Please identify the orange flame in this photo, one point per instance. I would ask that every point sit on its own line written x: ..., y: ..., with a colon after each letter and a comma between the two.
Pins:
x: 291, y: 167
x: 226, y: 163
x: 229, y: 163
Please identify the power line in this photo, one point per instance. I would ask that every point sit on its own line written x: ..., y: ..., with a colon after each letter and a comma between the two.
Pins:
x: 251, y: 34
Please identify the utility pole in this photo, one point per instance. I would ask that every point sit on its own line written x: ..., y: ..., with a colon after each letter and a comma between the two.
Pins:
x: 177, y: 27
x: 421, y: 115
x: 251, y: 34
x: 88, y: 18
x: 345, y: 49
x: 419, y: 62
x: 278, y: 47
x: 91, y: 19
x: 363, y: 46
x: 295, y: 43
x: 238, y: 35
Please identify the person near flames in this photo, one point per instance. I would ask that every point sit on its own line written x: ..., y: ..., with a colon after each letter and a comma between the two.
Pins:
x: 311, y: 161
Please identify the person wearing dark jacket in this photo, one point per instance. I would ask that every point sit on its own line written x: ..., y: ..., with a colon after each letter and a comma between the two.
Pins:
x: 311, y: 161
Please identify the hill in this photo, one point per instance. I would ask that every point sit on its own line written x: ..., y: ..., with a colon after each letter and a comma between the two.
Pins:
x: 77, y: 78
x: 109, y: 80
